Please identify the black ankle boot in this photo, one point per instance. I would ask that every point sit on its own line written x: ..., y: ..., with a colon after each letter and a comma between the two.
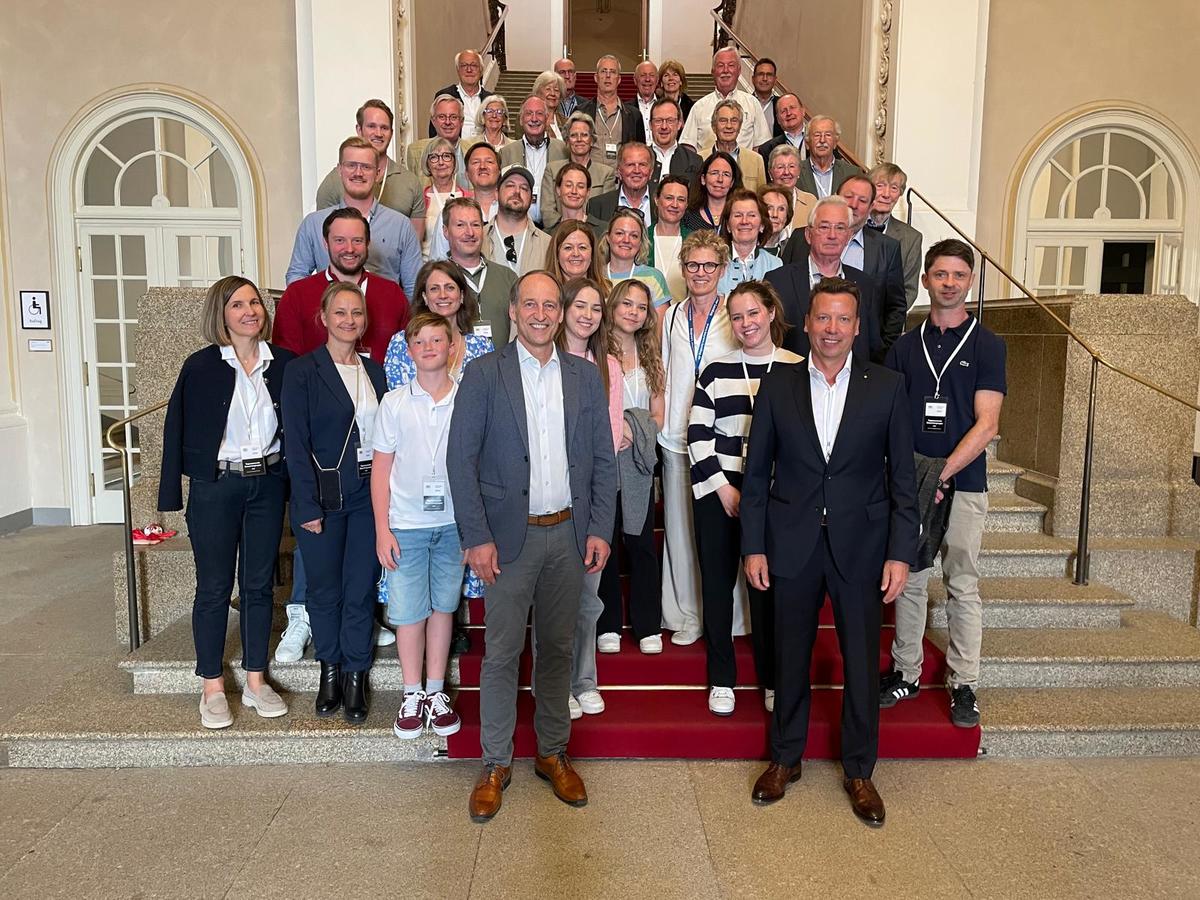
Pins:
x: 354, y: 692
x: 329, y: 691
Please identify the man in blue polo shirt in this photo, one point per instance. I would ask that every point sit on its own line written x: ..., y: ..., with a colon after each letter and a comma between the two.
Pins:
x: 954, y: 371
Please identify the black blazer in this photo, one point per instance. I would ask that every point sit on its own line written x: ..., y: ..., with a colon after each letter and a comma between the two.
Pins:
x: 196, y: 416
x: 867, y: 489
x: 632, y: 126
x: 791, y: 282
x: 453, y: 91
x: 684, y: 161
x: 317, y: 412
x: 601, y: 209
x: 883, y: 263
x: 764, y: 150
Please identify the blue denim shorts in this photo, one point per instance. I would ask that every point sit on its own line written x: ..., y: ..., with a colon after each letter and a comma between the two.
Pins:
x: 429, y: 576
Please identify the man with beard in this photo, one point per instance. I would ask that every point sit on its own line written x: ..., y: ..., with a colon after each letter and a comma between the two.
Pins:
x: 395, y: 251
x: 483, y: 171
x: 511, y: 238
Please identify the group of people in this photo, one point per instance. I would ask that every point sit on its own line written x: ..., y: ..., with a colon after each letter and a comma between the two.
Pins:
x: 491, y: 363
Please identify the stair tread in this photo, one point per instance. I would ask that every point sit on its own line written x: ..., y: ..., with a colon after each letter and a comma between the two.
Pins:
x: 1028, y: 543
x: 998, y: 467
x: 1089, y: 709
x: 1036, y: 592
x: 1000, y: 502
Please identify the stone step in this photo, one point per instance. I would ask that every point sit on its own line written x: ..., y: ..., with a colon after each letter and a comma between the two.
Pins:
x: 1123, y: 721
x: 1013, y: 513
x: 1150, y: 649
x: 1002, y: 477
x: 1037, y: 603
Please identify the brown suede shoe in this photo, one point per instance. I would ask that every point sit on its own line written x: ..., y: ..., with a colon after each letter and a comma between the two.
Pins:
x: 772, y: 783
x: 568, y: 786
x: 488, y: 791
x: 865, y: 800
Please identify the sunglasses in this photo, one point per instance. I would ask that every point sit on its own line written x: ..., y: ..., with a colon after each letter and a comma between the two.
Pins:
x: 510, y: 249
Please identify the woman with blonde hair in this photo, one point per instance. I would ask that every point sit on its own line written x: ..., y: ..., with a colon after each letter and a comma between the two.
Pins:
x: 625, y: 248
x: 672, y: 85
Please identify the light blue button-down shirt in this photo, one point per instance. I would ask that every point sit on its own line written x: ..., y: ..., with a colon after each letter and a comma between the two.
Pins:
x: 394, y: 253
x: 753, y: 269
x: 853, y: 254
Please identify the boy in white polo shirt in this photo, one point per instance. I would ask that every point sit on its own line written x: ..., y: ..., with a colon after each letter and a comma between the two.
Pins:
x: 415, y: 535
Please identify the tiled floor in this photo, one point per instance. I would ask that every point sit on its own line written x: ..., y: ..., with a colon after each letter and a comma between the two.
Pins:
x: 1027, y: 829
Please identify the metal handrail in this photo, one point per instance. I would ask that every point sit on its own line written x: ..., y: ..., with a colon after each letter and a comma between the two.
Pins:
x: 1082, y: 557
x: 486, y: 50
x: 135, y: 639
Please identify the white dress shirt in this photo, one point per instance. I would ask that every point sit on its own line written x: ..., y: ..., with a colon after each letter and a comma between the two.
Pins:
x: 535, y: 162
x: 815, y: 275
x: 549, y: 478
x: 470, y: 108
x: 828, y: 403
x: 251, y: 421
x: 698, y: 132
x: 664, y: 157
x: 644, y: 108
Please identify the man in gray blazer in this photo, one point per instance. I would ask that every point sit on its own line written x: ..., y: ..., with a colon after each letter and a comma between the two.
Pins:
x: 534, y: 483
x: 890, y: 181
x: 824, y: 172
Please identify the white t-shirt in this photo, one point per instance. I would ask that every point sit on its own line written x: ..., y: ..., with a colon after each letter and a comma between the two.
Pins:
x: 682, y: 368
x: 366, y: 405
x: 415, y: 428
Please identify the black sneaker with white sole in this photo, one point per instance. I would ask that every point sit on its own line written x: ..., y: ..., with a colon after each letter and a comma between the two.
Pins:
x: 964, y: 710
x: 893, y: 688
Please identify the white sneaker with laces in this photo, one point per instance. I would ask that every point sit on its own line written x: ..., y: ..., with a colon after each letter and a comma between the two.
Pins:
x: 296, y: 636
x: 591, y: 702
x: 685, y: 637
x: 721, y: 701
x: 575, y: 709
x: 609, y: 642
x: 769, y: 699
x: 652, y: 644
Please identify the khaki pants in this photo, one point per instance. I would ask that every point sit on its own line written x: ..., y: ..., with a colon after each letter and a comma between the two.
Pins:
x: 964, y: 609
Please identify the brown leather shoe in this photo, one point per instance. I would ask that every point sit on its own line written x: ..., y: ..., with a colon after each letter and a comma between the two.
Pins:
x: 865, y: 800
x: 568, y: 786
x: 772, y: 783
x: 488, y: 791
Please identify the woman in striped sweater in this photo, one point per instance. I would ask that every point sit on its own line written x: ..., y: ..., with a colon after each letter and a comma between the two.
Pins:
x: 717, y: 434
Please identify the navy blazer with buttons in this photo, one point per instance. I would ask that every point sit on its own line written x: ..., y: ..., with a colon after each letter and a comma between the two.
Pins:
x: 196, y: 416
x: 317, y: 412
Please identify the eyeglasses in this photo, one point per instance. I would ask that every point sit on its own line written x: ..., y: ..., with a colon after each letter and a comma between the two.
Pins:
x: 830, y: 228
x: 447, y: 118
x: 724, y: 120
x: 359, y: 167
x: 444, y: 156
x: 494, y: 111
x: 708, y: 267
x: 510, y: 249
x: 666, y: 121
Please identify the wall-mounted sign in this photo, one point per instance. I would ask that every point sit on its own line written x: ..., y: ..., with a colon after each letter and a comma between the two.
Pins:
x: 35, y: 310
x: 41, y: 346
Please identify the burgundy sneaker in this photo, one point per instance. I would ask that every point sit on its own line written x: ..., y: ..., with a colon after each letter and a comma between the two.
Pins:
x: 440, y: 715
x: 410, y: 720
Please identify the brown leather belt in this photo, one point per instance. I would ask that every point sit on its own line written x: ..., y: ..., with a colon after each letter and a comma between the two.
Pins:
x: 553, y: 518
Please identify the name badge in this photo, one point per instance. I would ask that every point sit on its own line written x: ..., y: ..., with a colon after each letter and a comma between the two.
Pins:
x: 433, y: 495
x: 483, y: 329
x: 365, y: 455
x: 253, y: 461
x: 610, y: 151
x: 934, y: 420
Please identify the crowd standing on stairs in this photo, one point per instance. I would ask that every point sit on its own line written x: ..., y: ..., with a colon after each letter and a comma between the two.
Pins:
x: 456, y: 403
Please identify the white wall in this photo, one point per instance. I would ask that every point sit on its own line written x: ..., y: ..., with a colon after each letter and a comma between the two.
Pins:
x: 682, y: 30
x: 533, y: 34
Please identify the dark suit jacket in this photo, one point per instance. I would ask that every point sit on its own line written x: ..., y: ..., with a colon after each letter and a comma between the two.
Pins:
x: 841, y: 171
x: 196, y: 416
x: 632, y: 126
x: 453, y: 91
x: 867, y: 488
x: 910, y: 255
x: 684, y: 161
x: 487, y: 453
x: 764, y: 150
x: 882, y: 264
x: 791, y: 282
x: 601, y: 209
x: 317, y: 411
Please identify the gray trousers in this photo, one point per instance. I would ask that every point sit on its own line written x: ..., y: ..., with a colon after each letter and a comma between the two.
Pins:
x: 583, y: 668
x: 547, y: 577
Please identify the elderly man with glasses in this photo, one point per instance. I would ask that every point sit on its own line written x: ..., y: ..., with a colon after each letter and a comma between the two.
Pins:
x: 468, y: 89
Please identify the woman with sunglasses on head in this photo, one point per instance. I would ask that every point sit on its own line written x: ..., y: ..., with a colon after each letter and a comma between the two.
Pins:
x: 330, y: 399
x: 717, y: 435
x: 719, y: 176
x: 632, y: 323
x: 745, y: 223
x: 626, y: 247
x: 440, y: 163
x: 223, y: 431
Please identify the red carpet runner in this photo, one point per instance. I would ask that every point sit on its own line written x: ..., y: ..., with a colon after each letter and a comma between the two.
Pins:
x: 657, y: 707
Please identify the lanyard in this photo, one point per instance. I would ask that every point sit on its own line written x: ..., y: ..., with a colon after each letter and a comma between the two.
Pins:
x: 937, y: 376
x: 482, y: 276
x: 746, y: 375
x: 697, y: 356
x: 441, y: 434
x: 353, y: 419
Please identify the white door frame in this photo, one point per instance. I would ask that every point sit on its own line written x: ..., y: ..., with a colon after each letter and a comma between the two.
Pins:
x: 65, y: 174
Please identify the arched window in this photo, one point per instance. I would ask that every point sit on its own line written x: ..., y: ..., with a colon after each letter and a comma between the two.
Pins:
x: 1101, y: 208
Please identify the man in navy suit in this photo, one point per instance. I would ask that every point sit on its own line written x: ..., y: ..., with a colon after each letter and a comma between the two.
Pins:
x: 534, y: 483
x: 469, y: 89
x: 829, y: 506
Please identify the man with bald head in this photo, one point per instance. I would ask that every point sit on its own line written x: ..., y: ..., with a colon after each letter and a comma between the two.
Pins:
x: 535, y: 149
x: 698, y: 132
x: 565, y: 69
x: 645, y: 79
x: 469, y: 89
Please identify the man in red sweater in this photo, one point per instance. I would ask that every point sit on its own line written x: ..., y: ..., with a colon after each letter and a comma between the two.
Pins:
x: 297, y: 317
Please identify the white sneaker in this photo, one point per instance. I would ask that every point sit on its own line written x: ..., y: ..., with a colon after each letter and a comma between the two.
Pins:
x: 296, y: 636
x: 214, y: 711
x: 721, y: 701
x: 591, y: 702
x: 575, y: 708
x: 769, y: 699
x: 266, y: 702
x: 384, y: 637
x: 609, y: 642
x: 652, y: 644
x: 685, y: 637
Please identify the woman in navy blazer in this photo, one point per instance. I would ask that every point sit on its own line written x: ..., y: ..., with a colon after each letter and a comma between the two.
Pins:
x: 330, y: 398
x: 223, y: 431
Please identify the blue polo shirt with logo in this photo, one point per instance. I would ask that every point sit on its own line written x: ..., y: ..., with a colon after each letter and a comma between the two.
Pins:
x: 978, y: 366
